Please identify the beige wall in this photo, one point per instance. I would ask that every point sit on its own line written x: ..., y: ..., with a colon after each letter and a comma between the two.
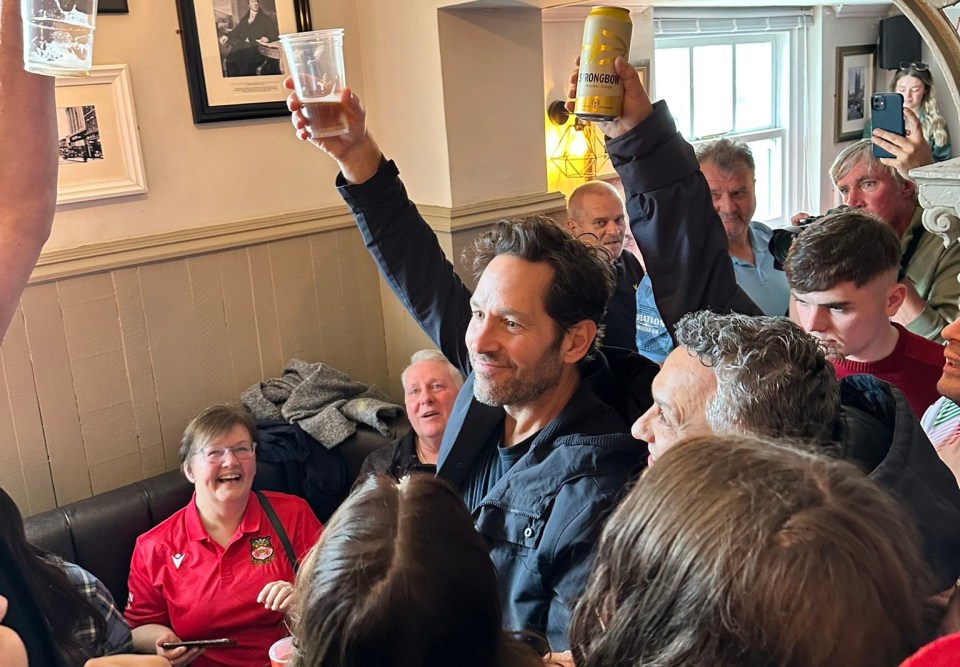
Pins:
x: 145, y: 309
x: 100, y: 371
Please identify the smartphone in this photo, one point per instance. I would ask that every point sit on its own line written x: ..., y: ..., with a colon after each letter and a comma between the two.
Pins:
x: 887, y: 114
x: 223, y: 642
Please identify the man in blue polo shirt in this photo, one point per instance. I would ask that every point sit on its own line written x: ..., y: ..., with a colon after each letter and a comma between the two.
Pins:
x: 729, y: 169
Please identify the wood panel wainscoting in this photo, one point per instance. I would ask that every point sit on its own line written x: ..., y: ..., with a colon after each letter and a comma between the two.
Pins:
x: 114, y: 348
x: 116, y: 345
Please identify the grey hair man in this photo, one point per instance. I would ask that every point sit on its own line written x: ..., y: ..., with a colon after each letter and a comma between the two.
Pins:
x: 765, y: 376
x: 430, y: 387
x: 729, y: 168
x: 933, y: 292
x: 596, y: 214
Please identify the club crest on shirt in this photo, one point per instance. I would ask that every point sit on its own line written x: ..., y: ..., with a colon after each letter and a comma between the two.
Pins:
x: 261, y: 551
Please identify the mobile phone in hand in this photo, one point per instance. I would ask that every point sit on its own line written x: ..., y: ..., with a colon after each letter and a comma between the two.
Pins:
x: 223, y: 642
x: 887, y: 114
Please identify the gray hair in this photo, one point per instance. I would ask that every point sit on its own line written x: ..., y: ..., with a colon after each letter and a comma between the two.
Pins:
x: 726, y: 155
x: 773, y: 379
x: 854, y: 154
x: 432, y: 355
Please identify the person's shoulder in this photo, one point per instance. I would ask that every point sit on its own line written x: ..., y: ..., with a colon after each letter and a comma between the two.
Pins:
x: 922, y: 350
x: 286, y: 501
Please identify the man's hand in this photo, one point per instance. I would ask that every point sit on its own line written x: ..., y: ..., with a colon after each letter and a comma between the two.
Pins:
x: 564, y: 659
x: 908, y: 152
x: 636, y: 102
x: 356, y: 152
x: 12, y: 651
x: 797, y: 217
x: 276, y: 596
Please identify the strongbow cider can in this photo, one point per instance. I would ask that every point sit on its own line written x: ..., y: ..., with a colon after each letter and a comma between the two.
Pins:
x: 606, y: 35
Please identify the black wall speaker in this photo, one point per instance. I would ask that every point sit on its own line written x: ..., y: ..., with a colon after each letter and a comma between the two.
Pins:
x: 899, y: 42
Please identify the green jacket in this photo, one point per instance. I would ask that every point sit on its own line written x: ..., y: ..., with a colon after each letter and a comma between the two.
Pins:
x: 933, y: 269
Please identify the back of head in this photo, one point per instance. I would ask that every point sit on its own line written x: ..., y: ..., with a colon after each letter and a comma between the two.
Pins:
x: 773, y: 379
x: 583, y: 280
x: 401, y: 578
x: 56, y: 597
x: 737, y: 551
x: 726, y: 155
x: 846, y: 246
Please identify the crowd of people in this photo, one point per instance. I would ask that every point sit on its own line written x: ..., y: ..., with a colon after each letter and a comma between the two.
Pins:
x: 613, y: 460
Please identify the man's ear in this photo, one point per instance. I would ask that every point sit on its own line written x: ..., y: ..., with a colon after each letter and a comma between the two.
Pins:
x: 577, y: 341
x: 571, y: 226
x: 895, y: 297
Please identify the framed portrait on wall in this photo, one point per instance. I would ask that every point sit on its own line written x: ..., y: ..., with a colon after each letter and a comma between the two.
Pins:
x: 112, y: 7
x: 643, y: 69
x: 855, y: 70
x: 99, y: 144
x: 232, y: 55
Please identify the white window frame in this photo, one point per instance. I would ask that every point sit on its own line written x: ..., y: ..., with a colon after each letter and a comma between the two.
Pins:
x: 679, y: 28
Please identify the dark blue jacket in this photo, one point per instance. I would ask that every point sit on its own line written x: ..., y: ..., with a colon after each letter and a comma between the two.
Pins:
x: 544, y: 516
x: 878, y: 431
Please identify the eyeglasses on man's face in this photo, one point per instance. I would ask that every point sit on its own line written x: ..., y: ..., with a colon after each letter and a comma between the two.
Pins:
x: 920, y: 67
x: 241, y: 452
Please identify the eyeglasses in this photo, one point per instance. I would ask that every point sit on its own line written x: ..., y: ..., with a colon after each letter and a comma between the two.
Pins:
x: 217, y: 454
x: 920, y: 67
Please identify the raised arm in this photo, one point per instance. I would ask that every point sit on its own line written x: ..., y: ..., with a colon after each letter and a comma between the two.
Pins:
x: 400, y: 241
x: 671, y: 214
x: 28, y: 163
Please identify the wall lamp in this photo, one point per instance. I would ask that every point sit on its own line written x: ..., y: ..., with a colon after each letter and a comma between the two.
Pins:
x: 580, y: 152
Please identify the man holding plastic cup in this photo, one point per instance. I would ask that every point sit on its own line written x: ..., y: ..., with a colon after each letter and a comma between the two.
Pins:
x: 28, y: 163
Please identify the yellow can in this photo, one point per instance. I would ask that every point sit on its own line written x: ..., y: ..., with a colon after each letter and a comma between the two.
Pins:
x: 606, y: 35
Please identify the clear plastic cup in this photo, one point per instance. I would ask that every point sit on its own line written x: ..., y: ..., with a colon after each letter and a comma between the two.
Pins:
x: 315, y: 61
x: 281, y: 652
x: 58, y: 36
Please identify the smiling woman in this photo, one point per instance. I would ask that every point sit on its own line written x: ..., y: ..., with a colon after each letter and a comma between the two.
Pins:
x: 221, y: 567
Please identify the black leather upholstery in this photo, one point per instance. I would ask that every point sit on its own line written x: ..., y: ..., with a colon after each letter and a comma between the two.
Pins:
x: 99, y: 533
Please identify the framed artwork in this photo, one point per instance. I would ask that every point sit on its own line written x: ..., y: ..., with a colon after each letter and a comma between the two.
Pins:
x: 232, y: 55
x: 113, y: 7
x: 643, y: 69
x: 99, y: 144
x: 855, y: 71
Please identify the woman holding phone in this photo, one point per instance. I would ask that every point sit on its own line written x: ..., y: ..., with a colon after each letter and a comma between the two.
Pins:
x: 223, y: 566
x: 915, y: 83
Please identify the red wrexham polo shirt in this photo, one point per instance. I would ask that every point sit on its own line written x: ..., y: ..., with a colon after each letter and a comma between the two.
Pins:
x: 182, y: 579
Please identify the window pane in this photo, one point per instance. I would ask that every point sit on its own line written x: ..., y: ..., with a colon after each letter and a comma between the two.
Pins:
x: 769, y: 161
x: 672, y: 83
x: 712, y: 90
x: 754, y: 86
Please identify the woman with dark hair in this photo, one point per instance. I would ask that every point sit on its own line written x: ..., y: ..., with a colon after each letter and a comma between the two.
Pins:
x: 739, y: 551
x: 79, y: 610
x: 401, y: 578
x: 915, y: 83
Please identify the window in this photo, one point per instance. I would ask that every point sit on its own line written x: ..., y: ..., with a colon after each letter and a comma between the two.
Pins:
x: 730, y: 76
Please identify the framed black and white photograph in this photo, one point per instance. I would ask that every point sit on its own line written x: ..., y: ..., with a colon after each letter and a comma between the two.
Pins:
x: 855, y: 69
x: 113, y: 7
x: 232, y: 55
x: 99, y: 144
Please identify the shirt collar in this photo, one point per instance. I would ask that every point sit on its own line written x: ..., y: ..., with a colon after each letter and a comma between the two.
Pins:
x: 249, y: 524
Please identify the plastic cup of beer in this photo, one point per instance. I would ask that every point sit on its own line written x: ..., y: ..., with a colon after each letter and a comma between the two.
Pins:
x: 281, y: 652
x: 315, y: 61
x: 58, y: 36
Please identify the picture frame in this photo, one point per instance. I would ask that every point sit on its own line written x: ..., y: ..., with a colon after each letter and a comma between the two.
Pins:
x: 231, y: 75
x: 855, y: 83
x: 643, y: 69
x: 99, y: 143
x: 113, y: 7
